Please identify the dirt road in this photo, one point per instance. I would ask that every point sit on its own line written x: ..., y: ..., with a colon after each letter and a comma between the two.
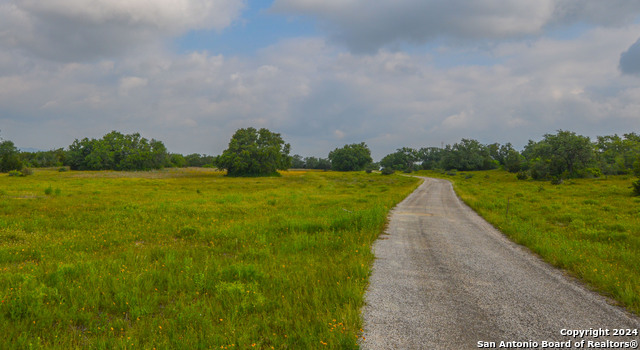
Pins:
x: 446, y: 279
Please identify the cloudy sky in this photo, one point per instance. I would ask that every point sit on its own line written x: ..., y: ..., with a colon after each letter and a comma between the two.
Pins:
x: 323, y: 73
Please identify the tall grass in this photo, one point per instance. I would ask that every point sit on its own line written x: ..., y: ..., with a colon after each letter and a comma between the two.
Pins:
x: 590, y: 227
x: 188, y: 259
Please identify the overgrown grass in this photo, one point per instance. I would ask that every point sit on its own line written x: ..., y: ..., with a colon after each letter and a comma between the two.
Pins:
x: 590, y: 227
x: 188, y: 258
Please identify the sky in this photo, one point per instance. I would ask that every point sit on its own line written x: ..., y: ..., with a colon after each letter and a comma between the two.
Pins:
x: 322, y: 73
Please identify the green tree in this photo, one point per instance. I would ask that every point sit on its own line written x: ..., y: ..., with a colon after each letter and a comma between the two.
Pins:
x: 513, y: 161
x: 615, y: 154
x: 564, y: 154
x: 116, y: 151
x: 317, y: 163
x: 467, y: 155
x: 403, y: 159
x: 353, y: 157
x: 198, y: 160
x: 430, y: 157
x: 9, y: 157
x: 297, y: 162
x: 254, y: 152
x: 177, y: 160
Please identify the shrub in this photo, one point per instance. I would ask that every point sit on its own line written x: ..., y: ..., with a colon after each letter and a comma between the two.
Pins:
x: 27, y: 171
x: 16, y: 173
x: 592, y: 172
x: 636, y: 187
x: 522, y: 175
x: 556, y: 181
x: 387, y: 171
x: 63, y: 169
x: 48, y: 191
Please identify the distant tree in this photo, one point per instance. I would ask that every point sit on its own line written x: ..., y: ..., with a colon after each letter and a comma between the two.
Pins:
x: 254, y: 152
x: 564, y: 154
x: 9, y: 157
x: 403, y: 159
x: 430, y: 157
x: 297, y: 162
x: 198, y: 160
x: 514, y: 161
x: 317, y: 163
x: 615, y: 154
x: 467, y: 155
x: 42, y: 159
x: 116, y: 151
x: 352, y: 157
x: 177, y: 160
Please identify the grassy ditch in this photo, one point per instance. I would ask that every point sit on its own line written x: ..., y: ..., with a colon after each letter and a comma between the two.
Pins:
x: 589, y: 227
x: 188, y: 258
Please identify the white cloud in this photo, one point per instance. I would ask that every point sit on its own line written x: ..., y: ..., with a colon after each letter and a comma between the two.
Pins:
x: 320, y: 98
x: 77, y: 30
x: 131, y: 83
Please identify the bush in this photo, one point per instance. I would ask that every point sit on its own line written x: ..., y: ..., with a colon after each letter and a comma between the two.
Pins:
x: 592, y: 172
x: 556, y: 181
x: 48, y: 191
x: 636, y: 187
x: 522, y: 175
x: 27, y: 171
x: 16, y: 173
x: 387, y: 171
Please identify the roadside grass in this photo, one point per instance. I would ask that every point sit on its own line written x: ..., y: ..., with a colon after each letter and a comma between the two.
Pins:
x: 188, y: 258
x: 589, y: 227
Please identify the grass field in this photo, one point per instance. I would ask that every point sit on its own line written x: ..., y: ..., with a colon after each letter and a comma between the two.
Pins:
x: 590, y: 227
x: 188, y: 258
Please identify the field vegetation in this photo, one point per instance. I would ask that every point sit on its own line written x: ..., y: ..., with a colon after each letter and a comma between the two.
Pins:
x: 589, y: 227
x: 188, y: 258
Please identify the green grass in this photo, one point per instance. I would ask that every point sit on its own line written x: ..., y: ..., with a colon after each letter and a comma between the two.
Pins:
x: 188, y: 258
x: 589, y: 227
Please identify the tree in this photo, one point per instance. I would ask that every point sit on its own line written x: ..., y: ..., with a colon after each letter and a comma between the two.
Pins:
x: 9, y: 157
x: 116, y: 151
x: 297, y: 162
x: 564, y: 154
x: 198, y: 160
x: 616, y: 155
x: 430, y: 157
x: 254, y: 152
x: 177, y: 160
x: 352, y: 157
x: 402, y: 159
x: 317, y: 163
x: 467, y: 155
x: 513, y: 161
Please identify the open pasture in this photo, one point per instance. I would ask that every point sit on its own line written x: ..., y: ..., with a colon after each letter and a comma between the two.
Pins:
x: 188, y: 258
x: 589, y: 227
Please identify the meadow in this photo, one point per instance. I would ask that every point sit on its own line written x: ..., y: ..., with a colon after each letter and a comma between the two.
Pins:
x: 188, y: 258
x: 588, y: 227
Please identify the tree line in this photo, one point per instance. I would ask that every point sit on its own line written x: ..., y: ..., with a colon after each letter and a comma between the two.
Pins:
x: 114, y: 151
x: 253, y: 152
x: 557, y: 156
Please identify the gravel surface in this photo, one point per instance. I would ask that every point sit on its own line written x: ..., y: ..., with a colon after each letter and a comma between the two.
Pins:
x: 446, y: 279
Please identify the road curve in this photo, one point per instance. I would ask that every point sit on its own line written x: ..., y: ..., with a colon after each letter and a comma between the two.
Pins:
x: 444, y: 278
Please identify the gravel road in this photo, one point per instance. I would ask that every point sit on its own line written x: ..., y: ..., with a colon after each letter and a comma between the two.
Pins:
x: 446, y: 279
